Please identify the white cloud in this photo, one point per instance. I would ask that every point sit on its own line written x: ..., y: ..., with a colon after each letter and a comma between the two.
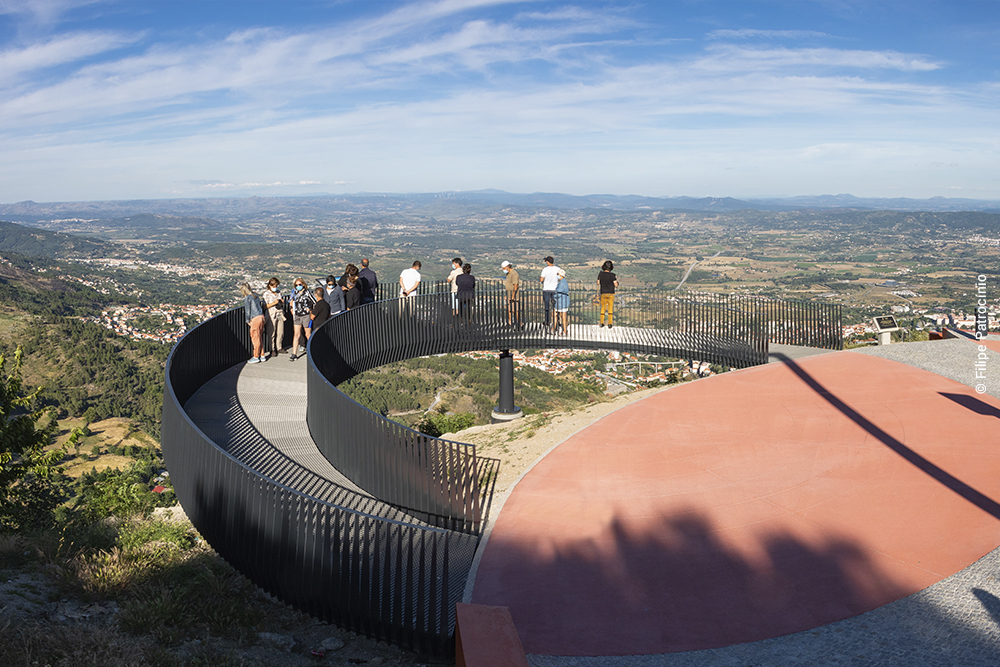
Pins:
x: 749, y: 33
x: 739, y: 58
x: 222, y: 185
x: 42, y: 11
x: 58, y: 51
x: 435, y: 91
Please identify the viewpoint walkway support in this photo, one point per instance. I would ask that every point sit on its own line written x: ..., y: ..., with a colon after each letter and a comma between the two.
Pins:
x: 384, y: 546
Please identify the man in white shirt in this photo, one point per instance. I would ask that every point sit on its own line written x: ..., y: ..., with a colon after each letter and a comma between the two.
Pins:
x: 456, y: 271
x: 549, y: 280
x: 409, y: 281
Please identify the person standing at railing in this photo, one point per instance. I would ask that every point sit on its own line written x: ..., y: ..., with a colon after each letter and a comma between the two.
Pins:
x: 253, y: 309
x: 320, y: 312
x: 274, y: 317
x: 466, y: 286
x: 607, y: 282
x: 352, y: 292
x: 334, y: 295
x: 561, y: 304
x: 512, y: 283
x: 549, y: 280
x: 409, y: 281
x: 302, y: 302
x: 369, y: 282
x: 456, y: 271
x: 349, y: 270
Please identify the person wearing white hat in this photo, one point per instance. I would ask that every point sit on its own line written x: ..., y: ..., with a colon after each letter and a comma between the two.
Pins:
x: 512, y: 283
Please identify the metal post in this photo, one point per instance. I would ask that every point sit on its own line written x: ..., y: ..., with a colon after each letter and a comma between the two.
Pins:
x: 506, y: 410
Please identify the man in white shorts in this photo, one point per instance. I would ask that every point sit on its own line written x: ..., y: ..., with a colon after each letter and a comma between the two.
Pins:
x: 549, y: 280
x: 409, y: 281
x: 456, y: 271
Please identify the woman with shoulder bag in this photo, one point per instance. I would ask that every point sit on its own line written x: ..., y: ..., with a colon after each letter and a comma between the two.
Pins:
x: 302, y: 302
x: 274, y: 317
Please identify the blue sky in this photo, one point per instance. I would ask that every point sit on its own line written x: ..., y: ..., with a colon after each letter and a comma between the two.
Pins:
x: 194, y: 98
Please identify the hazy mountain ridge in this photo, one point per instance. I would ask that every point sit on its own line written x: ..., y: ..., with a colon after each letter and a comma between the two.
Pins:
x: 303, y: 207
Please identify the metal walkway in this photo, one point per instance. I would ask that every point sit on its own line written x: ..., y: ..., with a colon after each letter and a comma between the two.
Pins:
x: 257, y: 413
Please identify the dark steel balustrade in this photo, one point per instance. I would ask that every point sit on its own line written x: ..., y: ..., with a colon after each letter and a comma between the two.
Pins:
x: 389, y: 579
x: 445, y: 483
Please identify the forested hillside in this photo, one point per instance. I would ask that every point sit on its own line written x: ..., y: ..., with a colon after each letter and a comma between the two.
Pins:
x: 79, y: 366
x: 41, y: 243
x: 84, y: 366
x: 466, y: 385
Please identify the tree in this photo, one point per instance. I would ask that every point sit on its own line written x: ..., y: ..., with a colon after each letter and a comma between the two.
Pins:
x: 436, y: 424
x: 27, y: 495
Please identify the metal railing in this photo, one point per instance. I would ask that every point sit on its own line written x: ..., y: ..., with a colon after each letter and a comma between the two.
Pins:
x: 748, y: 317
x: 387, y: 579
x: 443, y: 482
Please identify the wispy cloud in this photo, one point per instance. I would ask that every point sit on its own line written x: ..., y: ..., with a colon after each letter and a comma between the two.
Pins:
x: 452, y: 82
x: 734, y: 57
x: 751, y: 33
x: 60, y: 50
x: 223, y: 185
x: 42, y: 11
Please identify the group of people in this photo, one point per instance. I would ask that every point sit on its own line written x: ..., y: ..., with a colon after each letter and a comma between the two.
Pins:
x: 555, y: 292
x: 308, y: 308
x: 555, y: 295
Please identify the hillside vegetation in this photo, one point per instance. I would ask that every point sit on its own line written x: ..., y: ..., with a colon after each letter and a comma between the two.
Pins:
x: 406, y: 390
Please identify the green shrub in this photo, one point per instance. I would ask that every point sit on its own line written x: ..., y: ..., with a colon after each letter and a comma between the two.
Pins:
x: 27, y: 494
x: 436, y: 424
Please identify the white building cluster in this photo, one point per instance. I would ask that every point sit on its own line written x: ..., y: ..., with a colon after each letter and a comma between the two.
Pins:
x: 176, y: 269
x: 123, y: 319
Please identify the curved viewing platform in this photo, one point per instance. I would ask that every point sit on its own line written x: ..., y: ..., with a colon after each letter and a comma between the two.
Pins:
x: 354, y: 518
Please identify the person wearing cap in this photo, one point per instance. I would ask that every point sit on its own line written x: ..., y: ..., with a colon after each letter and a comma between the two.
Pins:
x: 561, y: 304
x: 512, y: 283
x: 549, y: 280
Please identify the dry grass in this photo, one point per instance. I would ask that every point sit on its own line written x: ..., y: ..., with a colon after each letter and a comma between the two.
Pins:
x: 62, y: 646
x: 114, y: 431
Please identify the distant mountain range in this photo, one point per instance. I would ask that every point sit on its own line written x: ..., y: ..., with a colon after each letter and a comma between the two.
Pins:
x: 319, y: 205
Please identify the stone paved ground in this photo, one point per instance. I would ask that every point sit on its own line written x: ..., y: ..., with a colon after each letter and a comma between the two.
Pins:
x: 954, y: 623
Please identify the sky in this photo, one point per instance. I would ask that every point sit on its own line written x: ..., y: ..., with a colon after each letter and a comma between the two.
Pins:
x: 134, y: 99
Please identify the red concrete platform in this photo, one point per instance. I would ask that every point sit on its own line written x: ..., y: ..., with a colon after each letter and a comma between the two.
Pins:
x: 748, y: 505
